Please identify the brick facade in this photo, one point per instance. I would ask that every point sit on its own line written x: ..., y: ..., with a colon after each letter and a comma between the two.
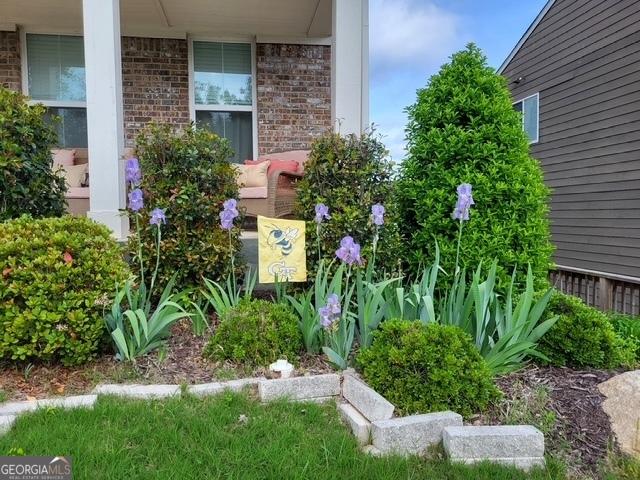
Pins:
x: 294, y: 95
x: 293, y: 87
x: 155, y: 83
x: 10, y: 60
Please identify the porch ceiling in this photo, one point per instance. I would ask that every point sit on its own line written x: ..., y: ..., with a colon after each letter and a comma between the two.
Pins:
x: 215, y: 18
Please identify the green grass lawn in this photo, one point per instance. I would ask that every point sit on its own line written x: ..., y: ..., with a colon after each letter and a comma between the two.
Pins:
x: 189, y: 438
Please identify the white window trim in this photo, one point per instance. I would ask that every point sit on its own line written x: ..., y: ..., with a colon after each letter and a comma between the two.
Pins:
x: 24, y: 65
x: 537, y: 95
x: 253, y: 108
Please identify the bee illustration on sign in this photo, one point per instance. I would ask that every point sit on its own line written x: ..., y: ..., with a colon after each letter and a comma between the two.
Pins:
x: 282, y: 239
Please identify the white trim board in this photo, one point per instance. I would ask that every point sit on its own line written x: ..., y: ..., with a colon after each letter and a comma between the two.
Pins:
x: 526, y: 35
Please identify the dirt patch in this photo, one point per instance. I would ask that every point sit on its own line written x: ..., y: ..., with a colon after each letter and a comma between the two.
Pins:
x: 181, y: 361
x: 581, y: 433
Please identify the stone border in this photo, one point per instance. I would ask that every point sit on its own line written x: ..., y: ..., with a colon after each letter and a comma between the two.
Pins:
x: 367, y: 413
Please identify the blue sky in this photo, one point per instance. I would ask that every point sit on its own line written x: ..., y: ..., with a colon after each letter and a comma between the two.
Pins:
x: 411, y: 39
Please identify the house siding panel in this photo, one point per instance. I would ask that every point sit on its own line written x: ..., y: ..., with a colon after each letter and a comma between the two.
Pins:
x: 584, y: 60
x: 294, y: 95
x: 10, y: 61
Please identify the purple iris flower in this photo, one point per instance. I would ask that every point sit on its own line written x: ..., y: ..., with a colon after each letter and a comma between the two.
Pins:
x: 349, y: 251
x: 231, y: 205
x: 322, y: 213
x: 157, y: 217
x: 136, y: 201
x: 463, y: 205
x: 133, y: 174
x: 228, y: 214
x: 333, y: 302
x: 377, y: 214
x: 330, y: 313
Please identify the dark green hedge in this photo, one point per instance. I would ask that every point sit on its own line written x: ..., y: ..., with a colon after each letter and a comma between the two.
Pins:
x: 463, y: 129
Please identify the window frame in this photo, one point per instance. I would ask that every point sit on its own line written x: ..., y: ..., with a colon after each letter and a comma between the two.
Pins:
x: 522, y: 100
x: 253, y: 108
x: 24, y: 66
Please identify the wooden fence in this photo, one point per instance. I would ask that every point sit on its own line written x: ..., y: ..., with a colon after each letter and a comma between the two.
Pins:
x: 603, y: 291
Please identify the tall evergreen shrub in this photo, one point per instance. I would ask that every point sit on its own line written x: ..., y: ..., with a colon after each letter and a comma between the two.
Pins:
x: 463, y: 129
x: 28, y: 183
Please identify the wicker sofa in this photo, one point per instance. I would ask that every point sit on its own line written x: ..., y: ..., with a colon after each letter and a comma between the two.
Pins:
x: 78, y: 197
x: 277, y: 199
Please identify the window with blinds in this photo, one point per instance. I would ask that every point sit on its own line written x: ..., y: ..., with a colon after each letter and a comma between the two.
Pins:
x: 56, y: 78
x: 223, y: 93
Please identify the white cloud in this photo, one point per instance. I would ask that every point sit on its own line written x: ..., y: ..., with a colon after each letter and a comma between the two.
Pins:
x: 411, y: 34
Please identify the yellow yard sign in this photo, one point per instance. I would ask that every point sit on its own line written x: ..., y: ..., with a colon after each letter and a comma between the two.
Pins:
x: 281, y: 250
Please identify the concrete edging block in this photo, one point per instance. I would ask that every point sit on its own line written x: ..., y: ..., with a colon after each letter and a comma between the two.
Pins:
x: 365, y: 399
x: 500, y: 441
x: 299, y: 388
x: 412, y: 435
x: 359, y: 425
x: 140, y: 392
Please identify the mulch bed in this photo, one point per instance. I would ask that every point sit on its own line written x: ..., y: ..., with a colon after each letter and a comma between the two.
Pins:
x: 582, y: 433
x: 180, y: 362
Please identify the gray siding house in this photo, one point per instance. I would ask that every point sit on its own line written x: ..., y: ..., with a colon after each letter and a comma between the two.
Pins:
x: 575, y: 75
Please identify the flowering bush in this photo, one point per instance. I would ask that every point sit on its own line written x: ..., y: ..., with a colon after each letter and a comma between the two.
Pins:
x: 423, y: 368
x: 136, y: 327
x: 28, y: 184
x: 343, y: 178
x: 56, y: 276
x: 189, y: 175
x: 256, y: 332
x: 463, y: 128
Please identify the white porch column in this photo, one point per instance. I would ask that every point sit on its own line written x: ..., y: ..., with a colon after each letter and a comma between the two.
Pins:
x: 350, y: 66
x: 101, y: 21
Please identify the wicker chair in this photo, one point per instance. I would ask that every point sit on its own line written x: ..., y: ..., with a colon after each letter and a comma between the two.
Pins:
x: 281, y: 188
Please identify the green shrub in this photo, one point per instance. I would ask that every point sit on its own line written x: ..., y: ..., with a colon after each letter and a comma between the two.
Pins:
x: 427, y: 367
x: 28, y: 184
x: 57, y: 275
x: 349, y: 174
x: 463, y: 129
x: 627, y: 327
x: 189, y: 175
x: 256, y: 332
x: 583, y: 337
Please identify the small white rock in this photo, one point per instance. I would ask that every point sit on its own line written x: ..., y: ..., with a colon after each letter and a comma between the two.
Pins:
x: 284, y: 368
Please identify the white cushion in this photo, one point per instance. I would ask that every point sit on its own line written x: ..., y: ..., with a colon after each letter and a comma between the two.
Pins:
x: 253, y: 192
x: 78, y: 192
x: 252, y: 175
x: 75, y: 174
x: 63, y: 157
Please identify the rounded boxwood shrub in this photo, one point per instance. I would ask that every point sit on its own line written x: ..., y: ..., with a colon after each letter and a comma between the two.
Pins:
x: 583, y: 337
x: 56, y: 276
x: 28, y: 184
x: 349, y: 175
x: 463, y: 129
x: 189, y: 175
x: 256, y: 332
x: 423, y: 368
